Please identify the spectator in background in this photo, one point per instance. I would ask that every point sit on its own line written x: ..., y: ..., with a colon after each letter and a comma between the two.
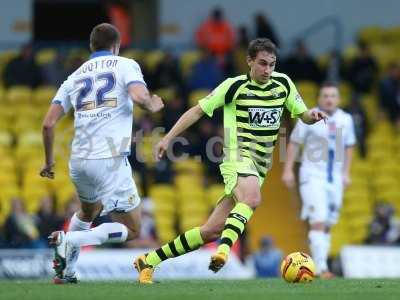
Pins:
x: 216, y: 34
x: 23, y: 70
x: 389, y: 92
x: 206, y: 73
x: 167, y: 73
x: 172, y: 112
x: 47, y: 219
x: 264, y: 29
x: 383, y: 229
x: 240, y: 51
x: 334, y: 69
x: 118, y: 12
x: 360, y: 124
x: 363, y: 70
x: 54, y: 72
x: 300, y: 65
x: 268, y: 259
x: 206, y: 142
x: 137, y: 158
x: 243, y: 37
x: 74, y: 60
x: 20, y: 229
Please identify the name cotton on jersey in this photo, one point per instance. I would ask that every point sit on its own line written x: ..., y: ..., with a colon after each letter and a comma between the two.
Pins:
x: 102, y: 107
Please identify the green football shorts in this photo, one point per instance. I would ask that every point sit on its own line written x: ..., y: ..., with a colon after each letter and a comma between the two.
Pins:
x: 230, y: 170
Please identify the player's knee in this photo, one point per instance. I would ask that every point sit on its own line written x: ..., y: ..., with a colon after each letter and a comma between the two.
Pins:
x: 87, y: 215
x: 133, y: 232
x: 252, y: 199
x: 318, y: 226
x: 210, y: 234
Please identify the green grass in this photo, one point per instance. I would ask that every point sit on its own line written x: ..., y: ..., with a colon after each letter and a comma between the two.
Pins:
x: 204, y: 289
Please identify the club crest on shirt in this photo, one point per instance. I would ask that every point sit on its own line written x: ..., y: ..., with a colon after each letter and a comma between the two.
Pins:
x: 275, y: 93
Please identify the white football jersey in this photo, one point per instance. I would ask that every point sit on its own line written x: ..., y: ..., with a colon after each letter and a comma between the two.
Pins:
x: 324, y: 145
x: 98, y: 92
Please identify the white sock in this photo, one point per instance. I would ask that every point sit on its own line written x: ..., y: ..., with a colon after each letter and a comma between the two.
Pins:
x: 327, y: 244
x: 72, y: 256
x: 319, y: 249
x: 104, y: 233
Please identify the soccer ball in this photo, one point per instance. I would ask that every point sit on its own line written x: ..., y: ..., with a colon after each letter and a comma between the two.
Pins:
x: 298, y: 267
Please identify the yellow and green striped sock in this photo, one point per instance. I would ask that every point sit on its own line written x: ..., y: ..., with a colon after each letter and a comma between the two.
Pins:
x: 189, y: 241
x: 234, y: 226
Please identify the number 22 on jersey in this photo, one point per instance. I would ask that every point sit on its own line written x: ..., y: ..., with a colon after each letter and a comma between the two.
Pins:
x: 86, y: 87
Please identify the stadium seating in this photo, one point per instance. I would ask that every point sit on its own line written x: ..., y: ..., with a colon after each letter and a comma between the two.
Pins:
x: 196, y: 95
x: 45, y: 56
x: 164, y: 199
x: 187, y: 202
x: 43, y: 95
x: 135, y: 54
x: 187, y: 60
x: 18, y: 95
x: 152, y: 58
x: 309, y: 91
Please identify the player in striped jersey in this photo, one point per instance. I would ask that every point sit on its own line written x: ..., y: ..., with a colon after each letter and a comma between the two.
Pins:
x: 253, y: 106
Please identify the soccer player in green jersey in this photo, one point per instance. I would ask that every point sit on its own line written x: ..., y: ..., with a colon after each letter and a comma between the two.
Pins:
x: 253, y: 105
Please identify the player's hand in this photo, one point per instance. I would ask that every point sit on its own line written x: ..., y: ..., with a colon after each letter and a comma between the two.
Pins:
x: 289, y: 179
x: 156, y: 103
x: 317, y: 115
x: 161, y: 149
x: 346, y: 180
x: 47, y: 171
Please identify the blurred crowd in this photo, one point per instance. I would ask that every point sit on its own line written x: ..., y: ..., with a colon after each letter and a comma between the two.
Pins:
x: 222, y: 53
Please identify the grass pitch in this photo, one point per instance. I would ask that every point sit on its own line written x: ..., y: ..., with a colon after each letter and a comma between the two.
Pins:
x: 204, y: 289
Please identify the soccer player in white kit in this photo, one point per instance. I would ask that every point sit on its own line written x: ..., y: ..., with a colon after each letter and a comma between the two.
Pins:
x: 324, y: 171
x: 102, y: 93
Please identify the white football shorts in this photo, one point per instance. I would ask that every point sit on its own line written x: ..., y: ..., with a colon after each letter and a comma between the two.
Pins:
x: 108, y: 180
x: 321, y: 199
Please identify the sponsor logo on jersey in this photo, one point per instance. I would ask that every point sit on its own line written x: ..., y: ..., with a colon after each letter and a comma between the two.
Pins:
x: 102, y: 115
x: 265, y: 117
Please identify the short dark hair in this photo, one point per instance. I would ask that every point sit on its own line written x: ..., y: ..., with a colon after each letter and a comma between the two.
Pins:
x: 261, y: 44
x: 103, y: 37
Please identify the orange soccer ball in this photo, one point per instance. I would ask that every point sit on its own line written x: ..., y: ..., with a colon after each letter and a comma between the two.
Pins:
x: 298, y: 267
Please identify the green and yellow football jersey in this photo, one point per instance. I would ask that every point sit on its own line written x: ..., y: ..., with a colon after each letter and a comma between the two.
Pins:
x: 252, y: 118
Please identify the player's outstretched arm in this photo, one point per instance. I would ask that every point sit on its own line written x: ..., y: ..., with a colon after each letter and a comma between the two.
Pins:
x: 288, y: 177
x: 312, y: 116
x: 141, y: 96
x: 185, y: 121
x: 54, y: 113
x: 346, y: 166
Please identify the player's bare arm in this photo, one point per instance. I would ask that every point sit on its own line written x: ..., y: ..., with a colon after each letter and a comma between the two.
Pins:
x: 312, y: 116
x: 141, y: 96
x: 185, y: 121
x: 54, y: 113
x: 288, y: 176
x: 348, y: 155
